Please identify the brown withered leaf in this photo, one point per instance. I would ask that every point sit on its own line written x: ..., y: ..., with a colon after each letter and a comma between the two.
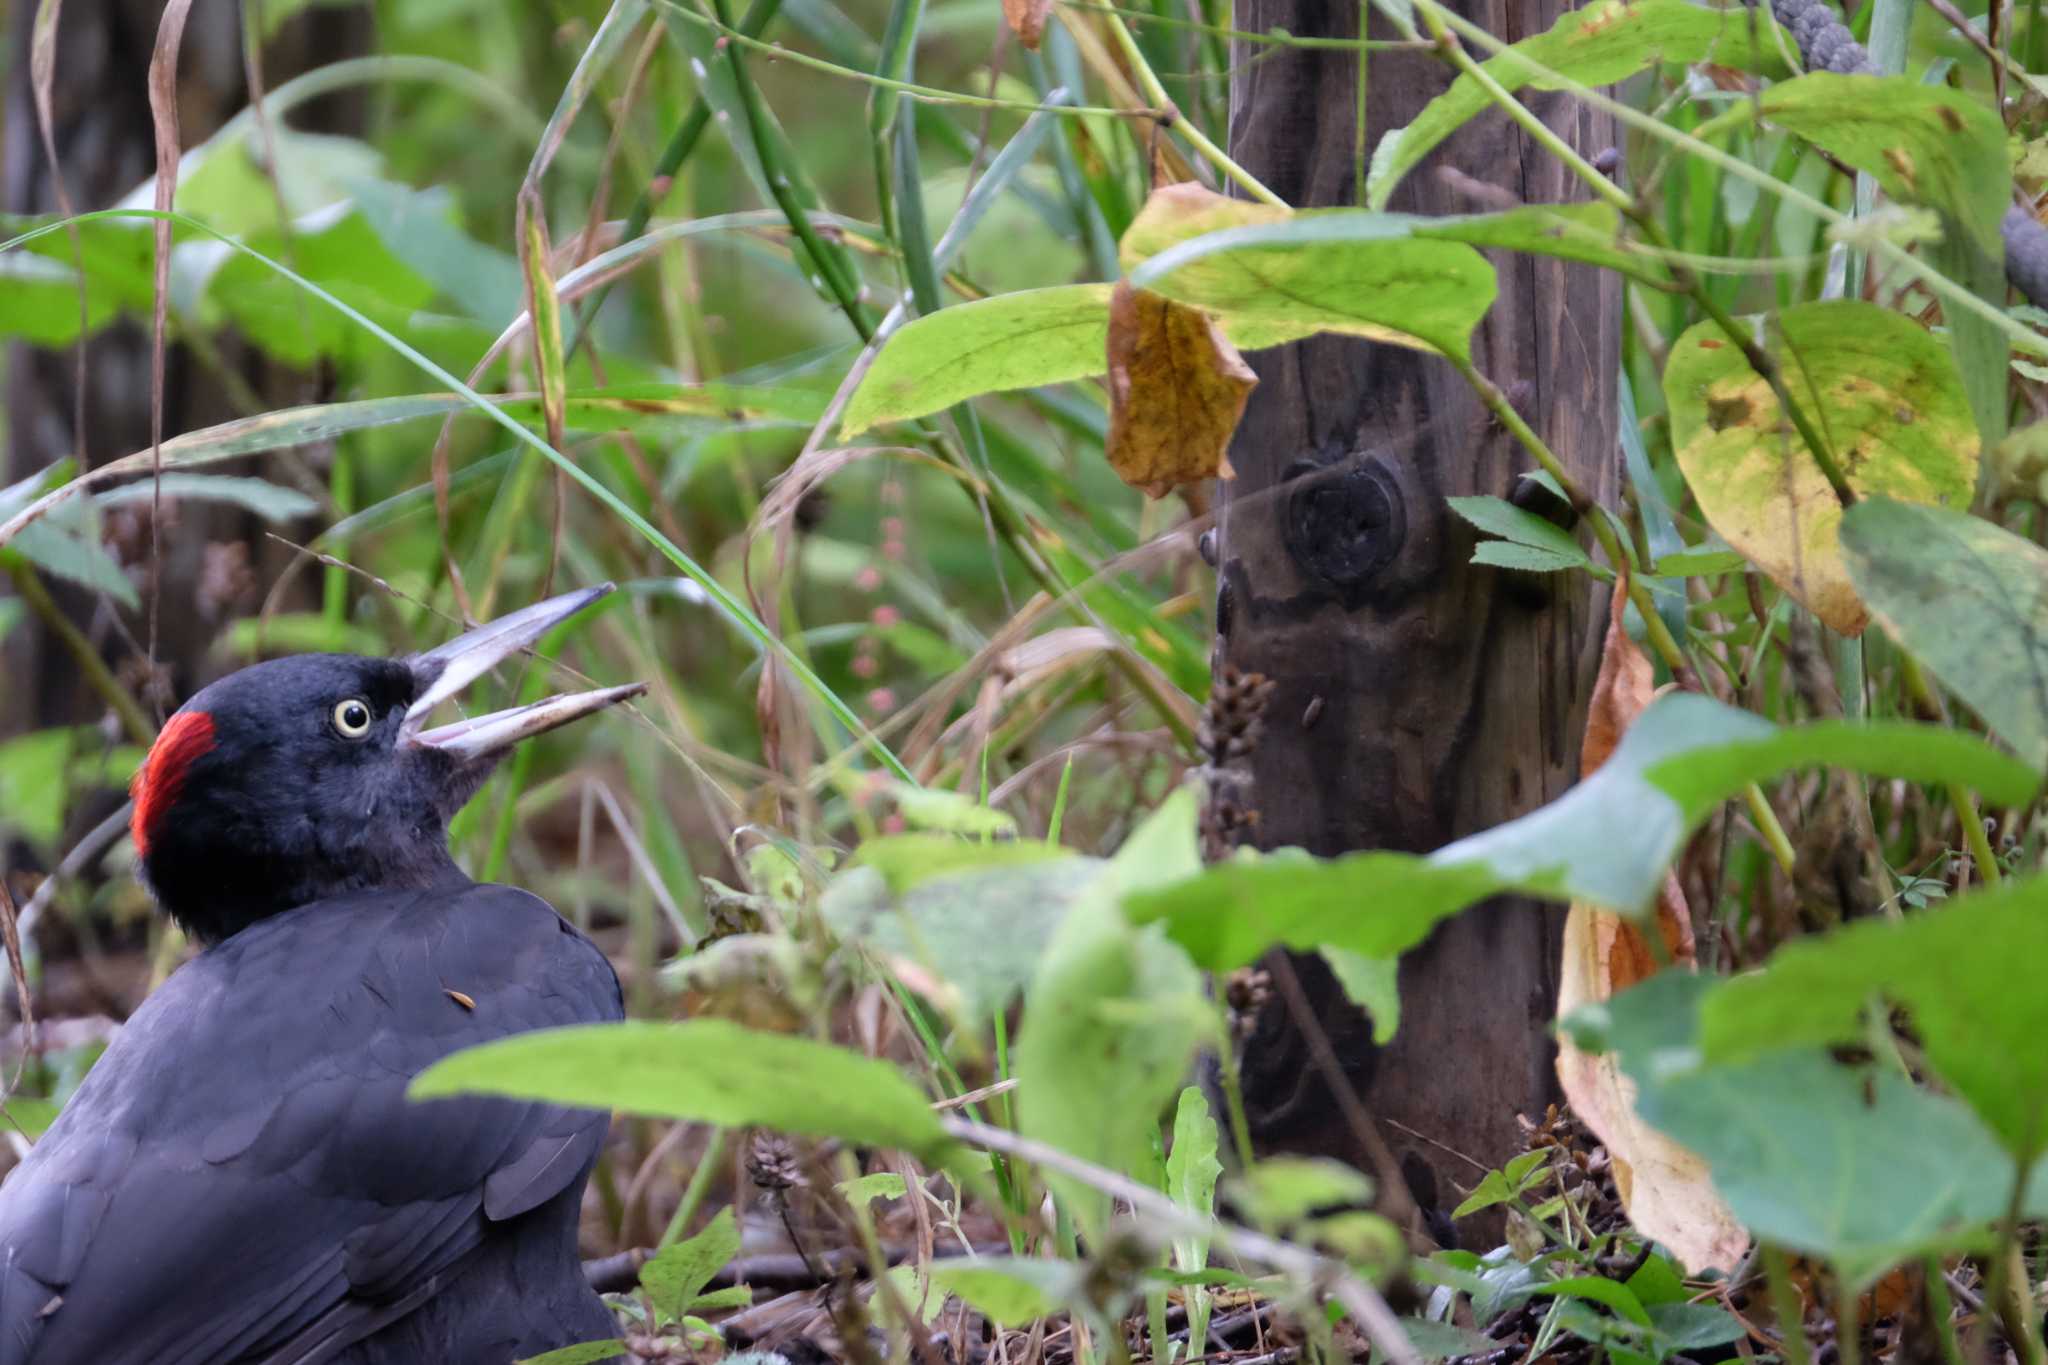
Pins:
x: 1664, y: 1187
x: 1176, y: 392
x: 1027, y: 19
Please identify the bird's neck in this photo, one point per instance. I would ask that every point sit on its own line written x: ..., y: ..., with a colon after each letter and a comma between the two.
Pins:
x: 214, y: 903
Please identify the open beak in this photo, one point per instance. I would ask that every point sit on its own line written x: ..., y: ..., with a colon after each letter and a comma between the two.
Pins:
x: 444, y: 671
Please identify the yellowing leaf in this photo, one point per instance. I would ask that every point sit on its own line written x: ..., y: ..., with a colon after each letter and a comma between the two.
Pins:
x: 1175, y: 213
x: 1887, y: 398
x: 1664, y: 1187
x: 1176, y: 392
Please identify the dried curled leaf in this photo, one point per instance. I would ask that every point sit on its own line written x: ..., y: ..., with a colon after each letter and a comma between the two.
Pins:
x: 1027, y: 19
x: 1176, y: 392
x: 1664, y: 1187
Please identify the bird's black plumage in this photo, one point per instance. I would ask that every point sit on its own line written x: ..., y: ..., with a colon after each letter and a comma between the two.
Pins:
x: 241, y: 1177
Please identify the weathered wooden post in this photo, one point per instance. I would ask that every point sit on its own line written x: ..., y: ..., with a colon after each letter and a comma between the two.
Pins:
x: 1417, y: 697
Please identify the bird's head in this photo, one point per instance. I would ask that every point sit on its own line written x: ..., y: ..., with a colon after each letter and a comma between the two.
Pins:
x: 312, y: 776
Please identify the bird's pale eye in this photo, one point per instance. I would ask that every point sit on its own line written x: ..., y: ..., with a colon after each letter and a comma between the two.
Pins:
x: 352, y: 718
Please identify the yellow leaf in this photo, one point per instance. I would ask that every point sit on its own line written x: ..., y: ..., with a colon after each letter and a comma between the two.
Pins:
x: 1176, y: 392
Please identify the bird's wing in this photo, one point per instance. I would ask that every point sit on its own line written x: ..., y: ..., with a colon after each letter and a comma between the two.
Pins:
x: 241, y: 1176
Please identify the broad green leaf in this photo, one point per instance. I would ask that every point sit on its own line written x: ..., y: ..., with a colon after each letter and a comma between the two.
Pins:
x: 677, y: 1274
x: 1371, y: 983
x: 708, y: 1070
x: 980, y: 931
x: 1597, y: 44
x: 1283, y: 1190
x: 1966, y: 597
x: 1694, y: 1326
x: 344, y: 256
x: 1365, y: 274
x: 1925, y: 144
x: 1611, y: 1293
x: 1854, y: 1164
x: 33, y: 783
x: 1011, y: 341
x: 39, y: 300
x: 1111, y: 1017
x: 905, y: 861
x: 1880, y: 388
x: 1964, y: 971
x: 75, y: 554
x: 1607, y: 841
x: 1012, y: 1291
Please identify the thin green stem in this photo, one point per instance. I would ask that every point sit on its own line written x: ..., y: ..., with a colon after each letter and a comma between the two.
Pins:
x: 929, y: 94
x: 97, y: 675
x: 694, y: 1192
x: 1170, y: 116
x: 1765, y: 819
x: 1941, y: 1311
x: 845, y: 291
x: 1920, y: 691
x: 680, y: 145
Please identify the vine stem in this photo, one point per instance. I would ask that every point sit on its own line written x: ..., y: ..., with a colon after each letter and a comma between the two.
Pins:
x: 1760, y: 360
x: 1928, y: 702
x: 1169, y: 115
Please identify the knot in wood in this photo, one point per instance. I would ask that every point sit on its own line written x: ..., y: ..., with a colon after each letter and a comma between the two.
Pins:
x: 1345, y: 521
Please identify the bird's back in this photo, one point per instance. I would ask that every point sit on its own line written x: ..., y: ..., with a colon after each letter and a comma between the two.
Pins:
x: 241, y: 1177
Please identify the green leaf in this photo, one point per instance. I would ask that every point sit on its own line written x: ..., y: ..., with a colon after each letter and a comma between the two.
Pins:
x: 1925, y: 144
x: 1611, y: 1293
x: 1364, y: 274
x: 1011, y: 341
x: 1499, y: 517
x: 1191, y: 1172
x: 949, y: 812
x: 265, y: 499
x: 868, y: 1188
x: 1855, y: 1164
x: 733, y: 1296
x: 1882, y: 389
x: 1282, y: 1191
x: 1608, y: 841
x: 981, y: 931
x: 708, y: 1070
x: 1597, y: 44
x: 1966, y: 972
x: 1011, y: 1291
x: 1966, y: 597
x: 75, y: 554
x: 1111, y: 1017
x: 677, y: 1274
x: 584, y: 1353
x: 1695, y: 1326
x: 1371, y: 983
x: 906, y: 861
x: 34, y: 783
x: 1505, y: 554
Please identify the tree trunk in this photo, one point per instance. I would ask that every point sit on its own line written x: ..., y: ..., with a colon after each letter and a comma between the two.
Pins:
x: 1417, y: 697
x: 104, y: 142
